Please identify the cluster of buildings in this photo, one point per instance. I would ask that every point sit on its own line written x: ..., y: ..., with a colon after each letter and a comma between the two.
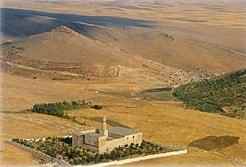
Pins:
x: 105, y: 139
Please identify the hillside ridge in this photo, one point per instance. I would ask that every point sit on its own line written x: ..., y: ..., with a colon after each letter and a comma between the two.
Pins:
x: 225, y: 94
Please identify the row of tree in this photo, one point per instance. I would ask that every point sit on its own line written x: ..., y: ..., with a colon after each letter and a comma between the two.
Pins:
x: 57, y: 108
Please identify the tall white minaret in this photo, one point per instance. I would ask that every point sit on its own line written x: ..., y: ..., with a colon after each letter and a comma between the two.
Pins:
x: 104, y: 127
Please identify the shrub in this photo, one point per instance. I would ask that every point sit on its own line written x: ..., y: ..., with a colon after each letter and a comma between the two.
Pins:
x: 97, y: 107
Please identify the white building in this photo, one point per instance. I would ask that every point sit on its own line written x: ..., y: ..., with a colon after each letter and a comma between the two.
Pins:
x: 104, y: 140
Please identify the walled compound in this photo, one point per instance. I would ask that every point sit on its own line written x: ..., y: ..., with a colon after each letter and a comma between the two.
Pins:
x: 105, y: 140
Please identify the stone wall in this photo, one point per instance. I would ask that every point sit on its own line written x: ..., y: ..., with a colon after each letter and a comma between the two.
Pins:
x: 77, y: 138
x: 106, y: 145
x: 138, y: 159
x: 41, y: 156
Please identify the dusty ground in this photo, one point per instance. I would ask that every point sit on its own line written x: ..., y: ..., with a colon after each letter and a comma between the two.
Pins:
x: 11, y: 156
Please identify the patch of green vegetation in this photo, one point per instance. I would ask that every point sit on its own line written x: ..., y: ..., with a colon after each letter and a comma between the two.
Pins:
x: 225, y: 94
x: 59, y: 108
x: 56, y: 109
x: 75, y: 155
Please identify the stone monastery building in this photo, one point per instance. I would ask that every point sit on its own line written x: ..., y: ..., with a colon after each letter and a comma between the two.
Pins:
x: 104, y: 140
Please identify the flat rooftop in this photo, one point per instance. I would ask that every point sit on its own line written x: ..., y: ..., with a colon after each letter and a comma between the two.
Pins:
x: 122, y: 131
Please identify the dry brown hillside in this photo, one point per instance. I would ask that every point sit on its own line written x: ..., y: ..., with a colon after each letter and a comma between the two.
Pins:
x: 174, y: 50
x: 64, y: 45
x: 67, y: 51
x: 63, y: 53
x: 115, y: 40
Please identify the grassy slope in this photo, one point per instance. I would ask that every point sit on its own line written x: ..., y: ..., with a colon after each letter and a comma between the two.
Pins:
x: 226, y: 94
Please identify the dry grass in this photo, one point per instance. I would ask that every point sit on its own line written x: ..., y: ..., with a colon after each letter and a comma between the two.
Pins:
x: 166, y: 123
x: 171, y: 124
x: 28, y: 125
x: 11, y: 156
